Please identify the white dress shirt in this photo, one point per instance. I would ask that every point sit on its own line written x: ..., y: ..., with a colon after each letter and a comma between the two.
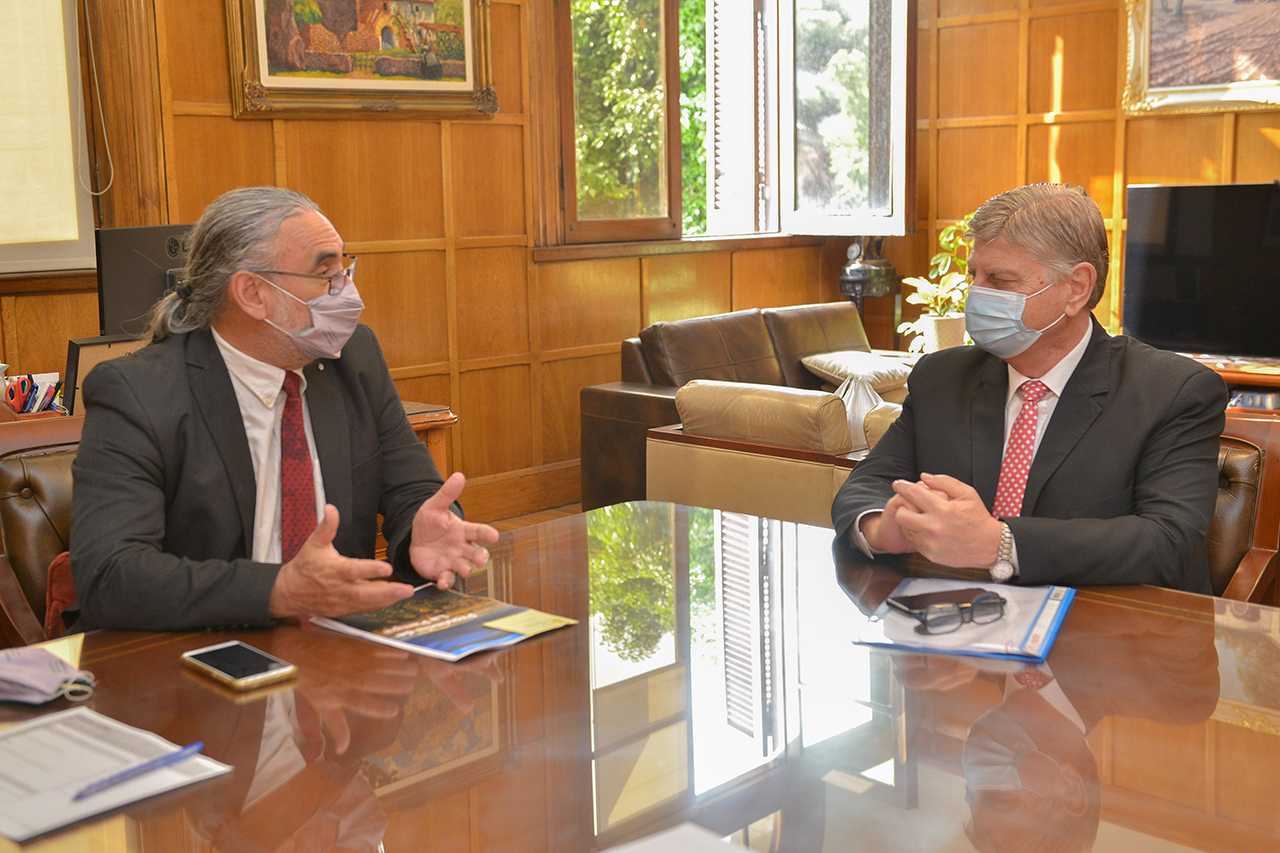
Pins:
x: 1055, y: 379
x: 259, y: 391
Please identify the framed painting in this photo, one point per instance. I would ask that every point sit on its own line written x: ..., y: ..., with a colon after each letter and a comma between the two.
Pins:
x: 317, y: 58
x: 1189, y: 56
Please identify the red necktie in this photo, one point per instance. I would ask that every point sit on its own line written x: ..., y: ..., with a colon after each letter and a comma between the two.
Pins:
x: 1032, y: 677
x: 1017, y: 456
x: 297, y: 480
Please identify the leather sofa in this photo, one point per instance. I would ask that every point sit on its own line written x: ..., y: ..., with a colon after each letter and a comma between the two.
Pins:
x: 754, y: 346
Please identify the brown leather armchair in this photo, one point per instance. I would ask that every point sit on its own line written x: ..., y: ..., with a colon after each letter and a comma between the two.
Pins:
x: 1244, y: 536
x: 35, y: 518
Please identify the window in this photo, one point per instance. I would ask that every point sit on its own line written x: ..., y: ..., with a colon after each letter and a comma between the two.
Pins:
x: 720, y: 117
x: 46, y: 221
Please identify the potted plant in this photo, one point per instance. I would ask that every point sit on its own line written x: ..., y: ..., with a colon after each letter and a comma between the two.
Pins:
x: 942, y: 293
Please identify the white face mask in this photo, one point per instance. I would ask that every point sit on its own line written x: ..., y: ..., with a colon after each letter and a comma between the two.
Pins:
x: 993, y: 318
x: 334, y: 317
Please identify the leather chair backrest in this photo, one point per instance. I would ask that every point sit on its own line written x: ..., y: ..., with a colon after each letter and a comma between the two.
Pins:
x: 635, y: 367
x: 803, y: 330
x: 35, y: 517
x: 1234, y: 516
x: 733, y: 347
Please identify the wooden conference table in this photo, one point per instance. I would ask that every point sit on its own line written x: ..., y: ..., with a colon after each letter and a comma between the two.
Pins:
x: 711, y: 679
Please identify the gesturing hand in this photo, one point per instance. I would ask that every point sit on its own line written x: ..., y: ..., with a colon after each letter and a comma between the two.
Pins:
x: 444, y: 545
x: 319, y: 580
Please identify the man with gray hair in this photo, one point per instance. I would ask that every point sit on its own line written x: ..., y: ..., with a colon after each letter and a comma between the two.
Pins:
x: 1051, y: 452
x: 233, y: 470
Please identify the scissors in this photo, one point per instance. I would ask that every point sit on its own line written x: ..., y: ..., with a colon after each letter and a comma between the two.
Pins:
x: 16, y: 392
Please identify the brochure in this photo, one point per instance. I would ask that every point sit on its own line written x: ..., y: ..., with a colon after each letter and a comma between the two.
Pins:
x: 1026, y: 631
x: 445, y: 624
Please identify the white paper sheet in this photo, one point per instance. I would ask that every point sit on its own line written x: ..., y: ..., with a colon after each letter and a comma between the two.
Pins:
x: 45, y: 762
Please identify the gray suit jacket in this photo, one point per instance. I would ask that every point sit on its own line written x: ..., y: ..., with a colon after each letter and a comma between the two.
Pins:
x: 163, y: 498
x: 1122, y: 487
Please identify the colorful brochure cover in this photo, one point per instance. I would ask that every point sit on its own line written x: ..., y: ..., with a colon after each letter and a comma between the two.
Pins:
x: 445, y: 624
x: 1032, y: 617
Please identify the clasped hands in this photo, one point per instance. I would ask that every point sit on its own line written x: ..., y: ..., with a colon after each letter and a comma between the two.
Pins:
x: 940, y: 518
x: 320, y: 581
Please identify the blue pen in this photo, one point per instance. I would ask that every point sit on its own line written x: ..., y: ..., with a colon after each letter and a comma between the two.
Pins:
x: 140, y: 769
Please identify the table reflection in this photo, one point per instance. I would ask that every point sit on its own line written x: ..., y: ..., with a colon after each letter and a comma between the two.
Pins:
x: 713, y: 677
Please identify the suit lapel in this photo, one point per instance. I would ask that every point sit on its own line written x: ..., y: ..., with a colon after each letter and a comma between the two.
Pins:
x: 332, y: 434
x: 986, y: 420
x: 1079, y: 407
x: 216, y: 399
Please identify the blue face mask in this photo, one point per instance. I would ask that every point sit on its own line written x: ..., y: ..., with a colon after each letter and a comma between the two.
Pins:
x: 993, y: 319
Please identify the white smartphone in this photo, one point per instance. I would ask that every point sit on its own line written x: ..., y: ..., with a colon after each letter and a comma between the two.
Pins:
x: 239, y: 665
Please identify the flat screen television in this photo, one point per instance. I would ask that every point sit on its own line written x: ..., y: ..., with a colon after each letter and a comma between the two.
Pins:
x: 136, y: 266
x: 1202, y: 268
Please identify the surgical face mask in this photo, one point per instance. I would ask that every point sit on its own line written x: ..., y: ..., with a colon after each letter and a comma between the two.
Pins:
x: 992, y: 765
x: 993, y: 318
x: 334, y: 317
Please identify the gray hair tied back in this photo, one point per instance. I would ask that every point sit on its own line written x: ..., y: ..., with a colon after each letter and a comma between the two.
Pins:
x: 236, y: 232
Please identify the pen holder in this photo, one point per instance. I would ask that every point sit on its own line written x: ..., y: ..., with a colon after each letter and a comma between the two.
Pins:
x: 7, y: 414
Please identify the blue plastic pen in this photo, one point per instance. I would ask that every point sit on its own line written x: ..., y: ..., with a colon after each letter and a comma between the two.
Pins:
x: 139, y: 770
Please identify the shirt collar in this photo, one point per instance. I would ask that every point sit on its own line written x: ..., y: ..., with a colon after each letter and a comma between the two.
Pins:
x: 262, y: 380
x: 1056, y: 377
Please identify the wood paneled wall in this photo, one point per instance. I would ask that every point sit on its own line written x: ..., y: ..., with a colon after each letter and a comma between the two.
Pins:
x: 445, y: 214
x: 1011, y: 92
x: 442, y: 213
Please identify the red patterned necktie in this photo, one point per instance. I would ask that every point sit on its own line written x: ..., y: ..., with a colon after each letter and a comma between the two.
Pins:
x: 1032, y: 677
x: 297, y: 480
x: 1017, y: 456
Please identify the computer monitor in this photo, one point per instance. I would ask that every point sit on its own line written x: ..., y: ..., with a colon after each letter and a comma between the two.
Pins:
x: 136, y: 266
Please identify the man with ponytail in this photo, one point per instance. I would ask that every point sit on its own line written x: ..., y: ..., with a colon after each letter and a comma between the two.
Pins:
x: 233, y: 470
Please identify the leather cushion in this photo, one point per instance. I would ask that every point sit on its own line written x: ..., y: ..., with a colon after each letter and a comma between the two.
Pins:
x: 1231, y: 528
x: 802, y: 330
x: 785, y: 417
x: 35, y: 514
x: 835, y: 367
x: 731, y: 347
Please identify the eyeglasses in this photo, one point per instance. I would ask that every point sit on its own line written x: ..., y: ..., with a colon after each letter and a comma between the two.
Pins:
x: 945, y: 617
x: 337, y: 281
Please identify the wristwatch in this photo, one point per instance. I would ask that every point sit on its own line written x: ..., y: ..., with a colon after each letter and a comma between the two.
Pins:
x: 1002, y: 569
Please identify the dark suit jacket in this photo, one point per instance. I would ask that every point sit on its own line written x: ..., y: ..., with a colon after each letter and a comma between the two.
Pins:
x: 1122, y: 487
x: 163, y: 498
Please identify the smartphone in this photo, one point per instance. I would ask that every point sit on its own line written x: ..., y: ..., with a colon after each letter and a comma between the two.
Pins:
x: 239, y: 665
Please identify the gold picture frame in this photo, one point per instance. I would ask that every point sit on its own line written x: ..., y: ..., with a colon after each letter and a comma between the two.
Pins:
x: 406, y: 58
x: 1180, y: 61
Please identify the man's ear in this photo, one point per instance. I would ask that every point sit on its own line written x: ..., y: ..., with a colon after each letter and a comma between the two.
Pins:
x: 245, y: 291
x: 1081, y: 281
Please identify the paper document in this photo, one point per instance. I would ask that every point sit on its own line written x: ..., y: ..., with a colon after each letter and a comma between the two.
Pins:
x: 1026, y: 631
x: 45, y: 762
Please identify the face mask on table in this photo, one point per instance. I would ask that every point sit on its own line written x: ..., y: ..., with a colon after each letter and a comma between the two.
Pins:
x: 993, y: 319
x: 334, y: 317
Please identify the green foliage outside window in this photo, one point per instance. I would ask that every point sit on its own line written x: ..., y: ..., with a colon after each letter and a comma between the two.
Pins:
x: 633, y: 583
x: 619, y: 94
x: 693, y: 120
x: 832, y: 106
